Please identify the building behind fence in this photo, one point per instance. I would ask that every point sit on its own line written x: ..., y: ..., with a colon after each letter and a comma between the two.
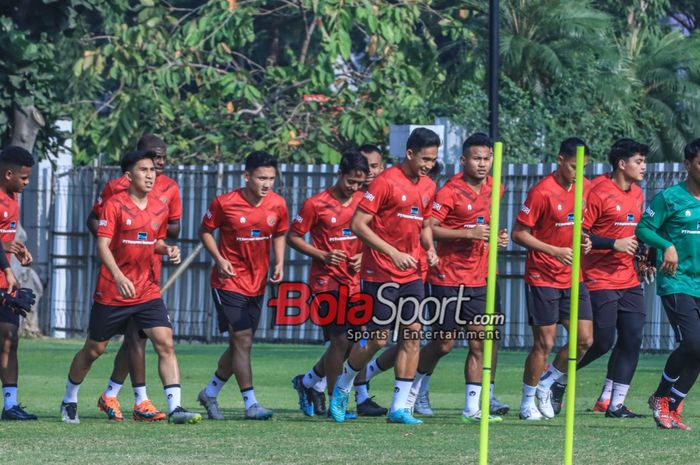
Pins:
x: 56, y: 206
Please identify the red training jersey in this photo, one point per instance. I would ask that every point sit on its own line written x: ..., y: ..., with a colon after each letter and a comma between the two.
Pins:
x: 8, y: 225
x: 611, y: 213
x: 457, y: 206
x: 549, y: 213
x: 399, y: 207
x: 245, y: 238
x: 133, y: 233
x: 328, y: 221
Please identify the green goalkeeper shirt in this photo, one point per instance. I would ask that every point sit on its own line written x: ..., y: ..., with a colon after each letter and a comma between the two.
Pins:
x: 673, y: 218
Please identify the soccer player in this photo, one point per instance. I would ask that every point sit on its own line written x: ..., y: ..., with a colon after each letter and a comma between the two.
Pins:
x: 375, y: 161
x: 131, y: 358
x: 613, y: 209
x: 336, y: 254
x: 392, y: 219
x: 132, y: 227
x: 15, y: 169
x: 671, y: 224
x: 460, y: 224
x: 251, y: 220
x: 544, y: 226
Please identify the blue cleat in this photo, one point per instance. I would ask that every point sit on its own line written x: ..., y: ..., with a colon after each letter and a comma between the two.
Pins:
x: 403, y: 416
x: 305, y: 404
x: 348, y: 415
x: 339, y: 404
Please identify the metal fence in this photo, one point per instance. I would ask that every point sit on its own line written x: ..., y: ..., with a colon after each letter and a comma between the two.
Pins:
x: 72, y: 264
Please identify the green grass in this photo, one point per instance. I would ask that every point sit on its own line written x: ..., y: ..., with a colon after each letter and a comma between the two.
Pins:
x: 291, y: 438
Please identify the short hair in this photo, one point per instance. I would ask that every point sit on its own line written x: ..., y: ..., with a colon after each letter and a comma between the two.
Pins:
x: 625, y: 148
x: 568, y: 147
x: 369, y: 148
x: 16, y: 156
x: 130, y: 159
x: 259, y: 159
x: 149, y: 142
x: 691, y: 150
x: 353, y: 160
x: 421, y: 138
x: 478, y: 139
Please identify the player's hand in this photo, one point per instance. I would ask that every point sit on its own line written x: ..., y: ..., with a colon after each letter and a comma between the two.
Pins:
x: 503, y: 238
x: 24, y: 257
x: 126, y: 287
x: 479, y: 233
x: 173, y: 254
x: 334, y: 257
x: 670, y: 263
x: 403, y: 261
x: 277, y: 274
x: 355, y: 262
x: 14, y: 247
x: 626, y: 245
x: 12, y: 283
x: 433, y: 258
x: 225, y: 269
x: 564, y: 254
x: 586, y: 244
x: 20, y: 301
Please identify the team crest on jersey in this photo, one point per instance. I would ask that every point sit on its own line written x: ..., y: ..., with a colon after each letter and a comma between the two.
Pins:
x: 103, y: 223
x: 155, y: 225
x: 570, y: 217
x: 128, y: 221
x: 209, y: 214
x: 630, y: 217
x: 255, y: 233
x: 271, y: 220
x: 369, y: 196
x: 525, y: 209
x: 298, y: 219
x: 436, y: 206
x: 142, y: 236
x: 479, y: 220
x: 414, y: 210
x: 164, y: 200
x: 425, y: 201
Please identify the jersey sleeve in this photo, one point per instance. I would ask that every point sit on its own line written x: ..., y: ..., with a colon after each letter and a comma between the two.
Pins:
x: 212, y: 218
x: 175, y: 206
x: 108, y: 220
x: 593, y: 211
x: 652, y: 220
x: 443, y: 203
x: 283, y: 219
x: 101, y: 199
x: 375, y: 196
x: 532, y: 209
x: 162, y: 231
x: 305, y: 219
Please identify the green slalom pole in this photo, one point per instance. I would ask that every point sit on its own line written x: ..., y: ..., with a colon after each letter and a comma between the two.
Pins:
x: 573, y: 320
x: 490, y: 302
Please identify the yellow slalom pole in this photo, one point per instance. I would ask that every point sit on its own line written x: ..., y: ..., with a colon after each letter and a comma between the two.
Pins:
x: 490, y: 302
x: 573, y: 319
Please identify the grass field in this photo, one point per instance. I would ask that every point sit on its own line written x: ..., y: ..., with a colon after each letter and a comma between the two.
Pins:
x: 290, y: 438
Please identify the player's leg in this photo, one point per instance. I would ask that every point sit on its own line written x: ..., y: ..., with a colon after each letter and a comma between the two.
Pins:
x: 311, y: 400
x: 623, y: 362
x: 144, y: 410
x: 366, y: 406
x: 209, y: 396
x: 473, y: 376
x: 9, y: 366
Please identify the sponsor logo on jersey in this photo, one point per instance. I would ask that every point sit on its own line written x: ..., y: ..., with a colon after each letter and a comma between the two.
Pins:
x: 298, y: 219
x: 414, y: 210
x: 13, y: 225
x: 142, y: 236
x: 255, y: 233
x: 570, y: 217
x: 479, y: 220
x: 369, y: 196
x: 630, y: 217
x: 347, y: 232
x: 525, y: 210
x: 209, y: 214
x: 650, y: 212
x: 102, y: 223
x: 436, y: 206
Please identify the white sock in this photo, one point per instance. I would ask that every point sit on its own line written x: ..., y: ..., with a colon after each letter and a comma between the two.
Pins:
x: 172, y: 395
x: 249, y: 397
x: 425, y: 384
x: 346, y: 378
x: 606, y: 393
x: 415, y: 389
x: 361, y: 393
x: 372, y: 370
x: 491, y: 391
x: 402, y: 388
x: 113, y: 388
x: 71, y: 392
x: 321, y: 385
x: 311, y: 378
x: 563, y: 379
x: 528, y: 396
x: 619, y: 392
x: 214, y: 387
x: 140, y: 393
x: 472, y: 399
x: 9, y: 395
x: 550, y: 375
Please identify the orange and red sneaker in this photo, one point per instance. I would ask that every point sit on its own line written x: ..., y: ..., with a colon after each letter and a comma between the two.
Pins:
x: 662, y: 415
x: 676, y: 422
x: 601, y: 406
x: 146, y: 411
x: 110, y: 406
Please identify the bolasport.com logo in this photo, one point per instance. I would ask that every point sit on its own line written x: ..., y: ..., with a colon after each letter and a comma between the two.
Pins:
x: 297, y: 304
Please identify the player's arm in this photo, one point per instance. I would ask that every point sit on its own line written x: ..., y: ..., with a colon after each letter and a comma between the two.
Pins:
x: 360, y: 226
x: 9, y: 275
x: 440, y: 233
x: 172, y: 251
x: 522, y: 235
x: 278, y: 244
x: 124, y: 285
x: 297, y: 242
x: 209, y: 241
x: 173, y: 231
x: 648, y: 232
x: 92, y: 223
x: 426, y: 241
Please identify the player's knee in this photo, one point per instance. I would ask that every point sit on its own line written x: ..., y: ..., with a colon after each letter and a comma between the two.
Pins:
x: 137, y: 348
x: 543, y: 345
x: 93, y: 352
x: 445, y: 347
x: 692, y: 346
x: 585, y: 342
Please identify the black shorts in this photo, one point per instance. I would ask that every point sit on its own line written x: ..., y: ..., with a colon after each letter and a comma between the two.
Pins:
x: 238, y: 311
x: 474, y: 305
x: 383, y: 311
x: 548, y: 306
x: 106, y: 321
x: 683, y: 312
x: 333, y: 328
x: 607, y: 303
x: 7, y: 315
